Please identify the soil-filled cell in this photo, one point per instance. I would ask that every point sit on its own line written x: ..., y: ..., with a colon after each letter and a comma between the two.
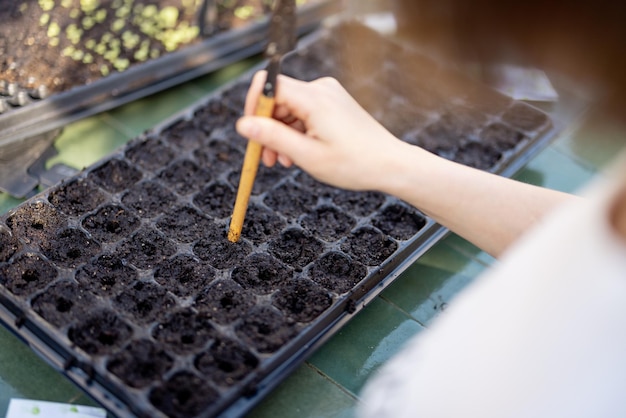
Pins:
x: 370, y: 246
x: 501, y: 136
x: 100, y: 332
x: 328, y: 223
x: 261, y: 273
x: 76, y: 197
x: 184, y: 224
x: 219, y: 156
x: 478, y: 155
x: 148, y: 198
x: 26, y: 274
x: 184, y: 135
x: 184, y: 275
x: 215, y: 114
x: 146, y: 248
x: 224, y: 301
x: 399, y: 221
x: 291, y: 199
x: 216, y: 200
x: 184, y: 395
x: 226, y: 362
x: 140, y: 363
x: 185, y: 331
x: 524, y: 117
x: 115, y: 175
x: 302, y: 300
x: 111, y: 223
x: 266, y: 329
x: 337, y: 272
x: 144, y: 302
x: 107, y: 275
x: 261, y: 224
x: 150, y: 154
x: 8, y: 244
x: 185, y: 176
x: 296, y: 247
x: 35, y: 222
x: 316, y: 188
x: 358, y: 203
x: 220, y: 253
x: 70, y: 248
x: 62, y: 303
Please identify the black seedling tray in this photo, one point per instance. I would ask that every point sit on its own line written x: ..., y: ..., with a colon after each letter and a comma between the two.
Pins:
x: 22, y: 128
x: 122, y: 277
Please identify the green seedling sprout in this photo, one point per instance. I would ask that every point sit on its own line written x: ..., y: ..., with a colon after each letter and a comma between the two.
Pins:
x: 44, y: 19
x: 53, y: 30
x: 46, y: 5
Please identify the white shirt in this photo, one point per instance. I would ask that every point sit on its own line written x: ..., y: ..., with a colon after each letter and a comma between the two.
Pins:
x: 541, y: 334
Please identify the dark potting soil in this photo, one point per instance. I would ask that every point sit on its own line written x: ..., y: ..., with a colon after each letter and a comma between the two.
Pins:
x: 129, y: 259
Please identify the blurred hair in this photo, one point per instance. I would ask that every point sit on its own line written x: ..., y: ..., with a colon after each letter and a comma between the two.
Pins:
x: 582, y: 39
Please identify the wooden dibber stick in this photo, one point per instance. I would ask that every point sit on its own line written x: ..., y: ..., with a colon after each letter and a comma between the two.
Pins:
x: 282, y: 39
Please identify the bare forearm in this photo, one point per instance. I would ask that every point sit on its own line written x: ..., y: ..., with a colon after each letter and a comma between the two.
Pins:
x: 488, y: 210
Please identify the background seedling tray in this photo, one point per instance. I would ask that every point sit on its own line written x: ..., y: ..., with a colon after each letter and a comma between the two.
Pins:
x: 26, y: 131
x: 122, y: 277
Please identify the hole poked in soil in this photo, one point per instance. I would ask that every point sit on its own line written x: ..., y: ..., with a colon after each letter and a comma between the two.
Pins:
x: 302, y: 300
x: 328, y: 223
x: 62, y: 303
x: 150, y: 154
x: 148, y: 198
x: 216, y: 250
x: 266, y: 329
x: 296, y: 247
x: 76, y: 197
x: 101, y: 332
x: 399, y: 221
x: 184, y: 395
x: 290, y: 199
x: 70, y: 248
x: 185, y: 176
x: 115, y: 175
x: 216, y: 200
x: 184, y: 275
x: 8, y: 244
x: 26, y: 274
x: 107, y: 275
x: 111, y: 223
x: 260, y: 224
x: 144, y: 302
x: 226, y: 361
x: 358, y: 203
x: 140, y: 363
x: 185, y: 331
x: 184, y: 224
x: 224, y: 301
x: 369, y: 246
x: 35, y: 222
x: 261, y: 273
x: 337, y: 272
x: 478, y: 155
x: 146, y: 248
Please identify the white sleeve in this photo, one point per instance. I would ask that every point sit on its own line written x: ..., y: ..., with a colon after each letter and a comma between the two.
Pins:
x: 542, y: 334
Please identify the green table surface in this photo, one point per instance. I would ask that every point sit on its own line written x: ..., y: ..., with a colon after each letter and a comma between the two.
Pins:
x: 328, y: 383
